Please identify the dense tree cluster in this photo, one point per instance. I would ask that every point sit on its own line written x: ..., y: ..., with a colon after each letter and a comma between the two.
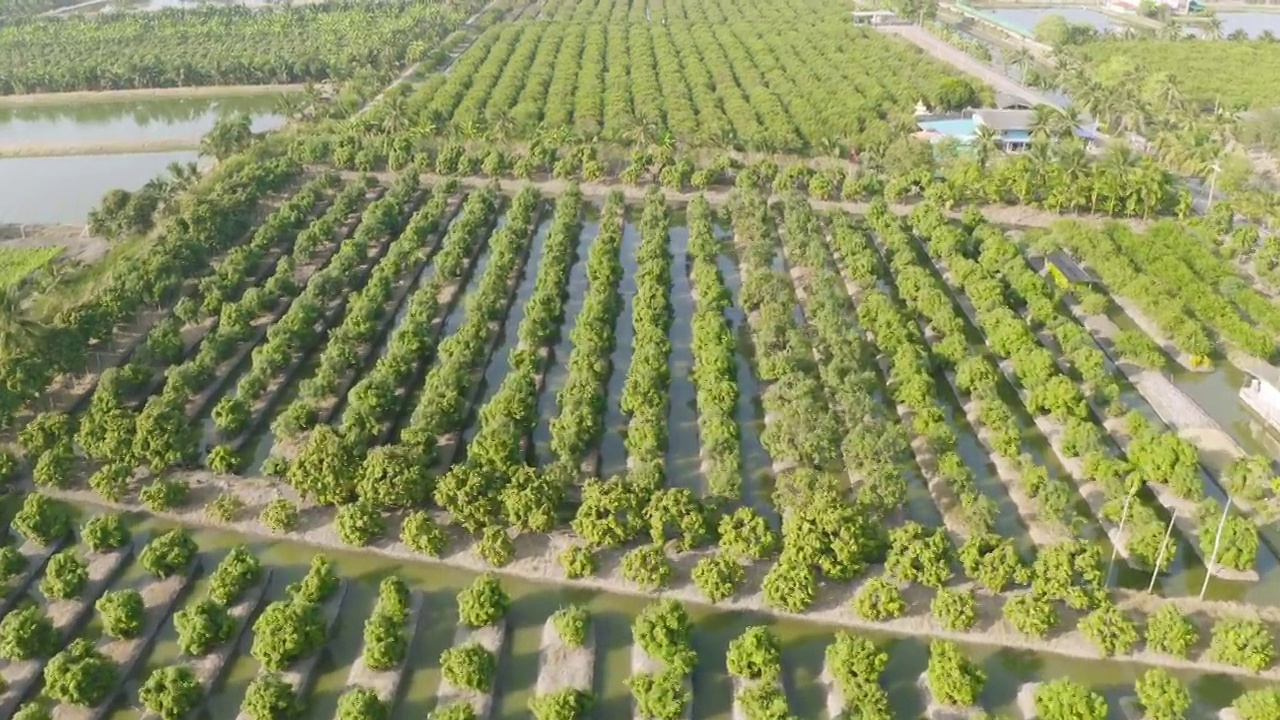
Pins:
x: 238, y: 571
x: 286, y: 631
x: 169, y: 554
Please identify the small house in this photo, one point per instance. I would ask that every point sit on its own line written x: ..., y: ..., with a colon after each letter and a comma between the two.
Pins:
x: 1065, y: 271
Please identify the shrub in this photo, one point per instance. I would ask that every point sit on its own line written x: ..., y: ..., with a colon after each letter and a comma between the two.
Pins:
x: 578, y: 562
x: 647, y: 566
x: 662, y: 696
x: 111, y: 481
x: 1162, y: 696
x: 789, y: 586
x: 457, y: 710
x: 763, y: 701
x: 718, y: 576
x: 746, y: 535
x: 122, y: 613
x: 495, y: 546
x: 1067, y: 700
x: 238, y: 571
x: 287, y: 631
x: 42, y: 520
x: 663, y: 630
x: 104, y: 533
x: 1031, y: 615
x: 955, y: 609
x: 916, y: 555
x: 65, y: 576
x: 168, y: 554
x: 32, y: 711
x: 1109, y: 630
x: 360, y: 703
x: 421, y: 534
x: 26, y: 634
x: 385, y: 643
x: 954, y: 679
x: 1170, y: 632
x: 567, y: 704
x: 572, y: 624
x: 202, y: 626
x: 359, y: 524
x: 279, y: 515
x: 879, y: 599
x: 171, y: 692
x: 80, y: 675
x: 319, y: 584
x: 483, y: 603
x: 12, y: 562
x: 856, y: 664
x: 225, y: 508
x: 756, y: 654
x: 469, y: 666
x: 270, y: 698
x: 1258, y: 704
x: 1242, y: 642
x: 164, y: 494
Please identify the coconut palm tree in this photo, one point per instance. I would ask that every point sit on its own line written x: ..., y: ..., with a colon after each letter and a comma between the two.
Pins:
x: 1042, y: 121
x: 986, y: 142
x: 18, y: 331
x: 1019, y: 57
x: 1213, y: 27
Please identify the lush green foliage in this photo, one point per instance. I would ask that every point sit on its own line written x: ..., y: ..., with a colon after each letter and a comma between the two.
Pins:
x: 663, y: 630
x: 65, y: 576
x: 269, y: 697
x: 572, y: 624
x: 168, y: 554
x: 718, y: 576
x: 42, y: 520
x: 1109, y: 630
x: 80, y: 675
x: 955, y: 609
x: 647, y: 566
x: 103, y: 533
x: 1243, y: 642
x: 360, y: 703
x: 171, y: 692
x: 252, y: 46
x: 1162, y: 696
x: 482, y: 603
x: 386, y: 638
x: 469, y: 666
x: 319, y: 584
x: 567, y: 704
x: 879, y: 599
x: 287, y: 631
x: 756, y: 654
x: 122, y: 613
x: 855, y: 664
x: 1067, y: 700
x: 954, y: 679
x: 26, y: 633
x: 238, y: 571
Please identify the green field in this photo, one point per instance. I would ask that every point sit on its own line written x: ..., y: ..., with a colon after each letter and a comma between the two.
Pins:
x: 1238, y: 75
x: 17, y: 263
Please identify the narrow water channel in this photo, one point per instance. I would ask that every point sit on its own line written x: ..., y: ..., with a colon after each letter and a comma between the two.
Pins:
x: 757, y: 466
x: 683, y: 461
x: 532, y: 603
x: 558, y: 368
x: 498, y: 362
x: 613, y: 452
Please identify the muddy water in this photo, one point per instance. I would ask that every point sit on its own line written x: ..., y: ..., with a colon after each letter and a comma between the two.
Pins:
x: 532, y: 603
x: 558, y: 369
x: 1007, y: 521
x: 384, y: 345
x: 613, y: 453
x: 150, y: 119
x: 757, y: 467
x: 65, y: 189
x: 498, y: 362
x: 683, y: 461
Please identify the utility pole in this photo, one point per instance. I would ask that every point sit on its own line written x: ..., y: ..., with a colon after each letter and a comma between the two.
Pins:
x: 1217, y: 540
x: 1115, y: 546
x: 1213, y: 182
x: 1163, y: 547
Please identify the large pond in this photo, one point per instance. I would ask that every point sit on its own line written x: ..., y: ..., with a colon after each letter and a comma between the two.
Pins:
x: 64, y: 189
x: 533, y: 603
x: 1026, y: 19
x: 131, y: 120
x: 1253, y: 23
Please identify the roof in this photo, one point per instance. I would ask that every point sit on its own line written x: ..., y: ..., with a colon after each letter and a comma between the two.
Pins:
x: 1003, y: 120
x: 1068, y: 267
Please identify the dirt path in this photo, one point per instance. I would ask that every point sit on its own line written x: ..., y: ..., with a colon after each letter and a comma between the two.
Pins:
x: 98, y: 147
x: 91, y: 96
x: 1006, y: 215
x: 75, y: 240
x: 988, y: 74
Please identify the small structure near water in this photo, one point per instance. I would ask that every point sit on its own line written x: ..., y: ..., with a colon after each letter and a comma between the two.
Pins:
x: 1262, y: 397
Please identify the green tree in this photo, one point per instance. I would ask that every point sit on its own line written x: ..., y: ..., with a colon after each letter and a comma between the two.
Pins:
x: 42, y: 520
x: 168, y: 554
x: 172, y: 692
x: 65, y: 576
x: 269, y: 697
x: 572, y: 624
x: 483, y: 603
x: 647, y: 566
x: 122, y: 613
x: 1242, y: 642
x: 25, y: 634
x: 80, y: 675
x: 955, y: 609
x: 287, y: 631
x: 359, y: 703
x: 756, y: 654
x: 718, y: 576
x: 103, y: 533
x: 879, y: 599
x: 1109, y: 630
x: 1170, y: 632
x: 953, y: 678
x: 1162, y: 696
x: 1064, y: 699
x: 469, y: 666
x: 325, y: 468
x: 421, y: 534
x: 202, y: 626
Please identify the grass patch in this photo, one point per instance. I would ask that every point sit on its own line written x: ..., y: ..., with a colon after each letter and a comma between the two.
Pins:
x: 18, y: 263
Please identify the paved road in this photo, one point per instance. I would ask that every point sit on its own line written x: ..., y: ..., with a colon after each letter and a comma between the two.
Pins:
x: 989, y: 74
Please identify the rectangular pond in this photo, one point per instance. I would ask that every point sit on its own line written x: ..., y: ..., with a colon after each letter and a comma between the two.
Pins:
x: 64, y: 189
x: 160, y: 119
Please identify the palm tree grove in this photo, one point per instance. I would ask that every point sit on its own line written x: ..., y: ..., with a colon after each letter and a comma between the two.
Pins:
x: 659, y: 359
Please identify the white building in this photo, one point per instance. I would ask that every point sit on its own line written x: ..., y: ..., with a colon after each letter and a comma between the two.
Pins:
x: 1263, y: 398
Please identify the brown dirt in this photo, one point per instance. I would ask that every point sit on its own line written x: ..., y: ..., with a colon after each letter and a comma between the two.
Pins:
x: 76, y: 241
